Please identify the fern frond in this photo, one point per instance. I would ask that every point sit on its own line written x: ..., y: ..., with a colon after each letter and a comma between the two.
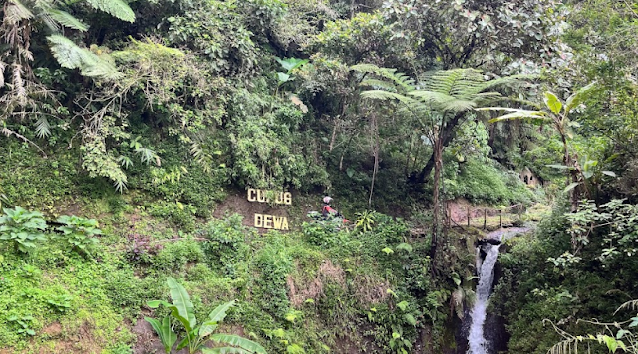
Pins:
x: 401, y: 80
x: 632, y: 304
x: 67, y: 20
x: 437, y: 100
x: 3, y: 66
x: 508, y: 81
x: 443, y: 81
x: 116, y: 8
x: 70, y: 56
x: 366, y: 68
x: 17, y: 12
x: 148, y: 155
x: 385, y: 95
x: 19, y: 84
x: 379, y: 84
x: 42, y: 127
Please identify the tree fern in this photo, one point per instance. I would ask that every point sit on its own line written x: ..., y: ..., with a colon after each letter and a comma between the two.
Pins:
x: 70, y: 56
x: 116, y: 8
x: 67, y: 20
x: 17, y: 12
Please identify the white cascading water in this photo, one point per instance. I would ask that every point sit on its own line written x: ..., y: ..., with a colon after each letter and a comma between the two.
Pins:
x: 476, y: 338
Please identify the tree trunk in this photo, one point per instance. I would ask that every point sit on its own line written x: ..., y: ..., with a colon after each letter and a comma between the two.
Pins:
x: 446, y: 136
x: 438, y: 164
x: 375, y: 150
x: 572, y: 173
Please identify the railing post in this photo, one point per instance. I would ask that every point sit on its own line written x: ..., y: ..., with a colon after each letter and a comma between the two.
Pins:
x: 485, y: 219
x: 468, y: 216
x: 500, y: 218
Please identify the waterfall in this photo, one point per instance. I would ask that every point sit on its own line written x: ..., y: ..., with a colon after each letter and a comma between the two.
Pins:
x: 476, y: 338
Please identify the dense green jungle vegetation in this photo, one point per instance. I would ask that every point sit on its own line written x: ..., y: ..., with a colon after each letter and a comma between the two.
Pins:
x: 132, y: 131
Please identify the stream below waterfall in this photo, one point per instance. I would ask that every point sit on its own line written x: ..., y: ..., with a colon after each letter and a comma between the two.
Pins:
x: 477, y: 342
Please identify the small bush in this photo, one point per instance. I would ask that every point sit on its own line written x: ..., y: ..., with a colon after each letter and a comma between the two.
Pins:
x: 226, y: 245
x: 176, y: 255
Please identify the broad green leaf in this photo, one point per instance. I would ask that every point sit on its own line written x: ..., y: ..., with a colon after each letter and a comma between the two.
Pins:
x: 531, y: 115
x: 552, y: 102
x: 225, y: 350
x: 611, y: 343
x: 156, y: 303
x: 207, y: 328
x: 609, y: 173
x: 291, y: 64
x: 183, y: 307
x: 621, y: 333
x: 164, y: 331
x: 239, y: 341
x: 219, y: 313
x: 577, y: 97
x: 283, y: 77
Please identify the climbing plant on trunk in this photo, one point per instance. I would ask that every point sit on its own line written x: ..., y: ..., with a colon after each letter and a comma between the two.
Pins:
x: 441, y: 102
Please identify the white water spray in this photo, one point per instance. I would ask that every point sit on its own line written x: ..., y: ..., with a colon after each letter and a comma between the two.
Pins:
x: 476, y: 338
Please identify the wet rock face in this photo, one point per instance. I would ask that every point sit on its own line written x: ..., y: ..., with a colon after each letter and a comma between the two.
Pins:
x: 496, y: 334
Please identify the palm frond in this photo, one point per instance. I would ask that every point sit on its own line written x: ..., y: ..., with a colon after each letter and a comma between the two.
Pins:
x: 117, y: 8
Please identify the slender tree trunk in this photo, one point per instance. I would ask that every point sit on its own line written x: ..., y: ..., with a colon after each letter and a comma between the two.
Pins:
x: 438, y: 164
x: 447, y: 134
x: 572, y: 173
x: 375, y: 151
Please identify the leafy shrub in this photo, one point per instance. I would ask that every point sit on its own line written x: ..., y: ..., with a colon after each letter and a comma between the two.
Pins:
x: 22, y: 228
x: 79, y: 233
x: 226, y: 245
x: 141, y: 248
x: 274, y: 264
x: 175, y: 255
x: 324, y: 233
x: 481, y: 182
x: 177, y: 213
